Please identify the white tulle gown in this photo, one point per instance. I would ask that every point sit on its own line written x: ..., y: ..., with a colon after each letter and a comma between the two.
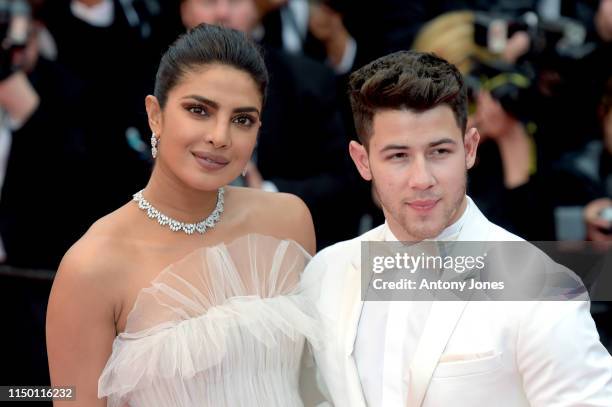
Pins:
x: 225, y: 326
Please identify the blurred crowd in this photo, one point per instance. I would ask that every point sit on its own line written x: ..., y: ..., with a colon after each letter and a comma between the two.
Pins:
x: 74, y: 135
x: 73, y: 132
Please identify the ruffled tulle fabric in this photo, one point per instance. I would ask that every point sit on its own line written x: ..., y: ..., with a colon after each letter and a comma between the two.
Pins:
x: 225, y: 326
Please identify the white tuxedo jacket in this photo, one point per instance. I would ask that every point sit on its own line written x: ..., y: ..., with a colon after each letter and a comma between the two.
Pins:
x: 538, y: 353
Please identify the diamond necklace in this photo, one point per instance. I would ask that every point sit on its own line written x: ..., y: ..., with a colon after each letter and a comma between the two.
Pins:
x: 175, y: 225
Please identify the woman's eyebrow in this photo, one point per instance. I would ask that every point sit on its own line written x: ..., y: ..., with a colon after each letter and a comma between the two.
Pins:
x: 202, y: 99
x: 215, y: 105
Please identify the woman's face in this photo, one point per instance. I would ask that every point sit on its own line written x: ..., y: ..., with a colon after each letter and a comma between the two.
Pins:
x: 208, y: 127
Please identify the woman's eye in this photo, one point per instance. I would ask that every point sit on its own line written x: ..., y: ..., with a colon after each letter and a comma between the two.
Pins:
x: 245, y: 121
x: 199, y: 110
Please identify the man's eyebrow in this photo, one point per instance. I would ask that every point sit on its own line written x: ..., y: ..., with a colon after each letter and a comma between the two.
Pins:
x: 435, y: 143
x: 394, y: 147
x: 445, y: 140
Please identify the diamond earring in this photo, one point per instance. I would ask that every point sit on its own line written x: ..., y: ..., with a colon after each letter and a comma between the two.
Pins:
x: 154, y: 142
x: 244, y: 172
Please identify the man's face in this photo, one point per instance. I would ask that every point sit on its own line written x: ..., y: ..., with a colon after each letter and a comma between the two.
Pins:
x: 240, y: 15
x: 418, y: 165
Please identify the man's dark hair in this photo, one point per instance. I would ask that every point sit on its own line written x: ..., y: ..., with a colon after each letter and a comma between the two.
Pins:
x: 406, y: 80
x: 209, y: 44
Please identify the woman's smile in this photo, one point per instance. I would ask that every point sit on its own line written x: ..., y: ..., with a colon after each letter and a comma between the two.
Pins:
x: 210, y: 161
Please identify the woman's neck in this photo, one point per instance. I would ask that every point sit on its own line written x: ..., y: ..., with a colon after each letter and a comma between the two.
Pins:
x: 177, y: 200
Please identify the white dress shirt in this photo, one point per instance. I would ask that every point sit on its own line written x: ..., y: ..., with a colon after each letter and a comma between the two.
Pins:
x: 388, y: 334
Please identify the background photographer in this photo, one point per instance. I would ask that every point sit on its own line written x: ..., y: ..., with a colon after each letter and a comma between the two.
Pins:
x: 566, y: 49
x: 510, y: 179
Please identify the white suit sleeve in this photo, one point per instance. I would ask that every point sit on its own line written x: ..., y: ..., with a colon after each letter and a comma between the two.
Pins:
x: 560, y: 357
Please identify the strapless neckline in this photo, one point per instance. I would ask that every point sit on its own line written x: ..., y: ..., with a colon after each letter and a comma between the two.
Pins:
x: 217, y: 246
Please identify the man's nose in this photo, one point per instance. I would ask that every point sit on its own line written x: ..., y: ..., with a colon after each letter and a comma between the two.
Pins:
x: 421, y: 177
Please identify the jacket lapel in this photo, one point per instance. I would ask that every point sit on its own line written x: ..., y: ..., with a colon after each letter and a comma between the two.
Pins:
x: 352, y: 303
x: 351, y: 308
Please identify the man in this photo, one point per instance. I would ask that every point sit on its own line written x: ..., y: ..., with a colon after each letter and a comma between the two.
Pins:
x: 410, y: 112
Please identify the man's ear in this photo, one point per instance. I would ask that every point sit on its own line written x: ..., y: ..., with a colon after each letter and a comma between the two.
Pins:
x: 359, y: 154
x: 470, y: 143
x: 154, y: 114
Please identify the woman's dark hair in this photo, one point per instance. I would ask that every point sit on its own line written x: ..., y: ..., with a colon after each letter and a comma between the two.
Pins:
x: 406, y: 80
x: 209, y: 44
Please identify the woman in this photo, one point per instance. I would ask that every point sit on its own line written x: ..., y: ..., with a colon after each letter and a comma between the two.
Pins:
x: 189, y: 294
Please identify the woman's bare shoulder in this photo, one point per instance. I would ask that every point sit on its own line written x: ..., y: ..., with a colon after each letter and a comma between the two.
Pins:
x: 100, y: 252
x: 278, y: 214
x: 84, y: 304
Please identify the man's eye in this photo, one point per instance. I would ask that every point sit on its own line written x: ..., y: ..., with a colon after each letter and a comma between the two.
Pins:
x: 440, y: 151
x: 245, y: 121
x: 398, y: 156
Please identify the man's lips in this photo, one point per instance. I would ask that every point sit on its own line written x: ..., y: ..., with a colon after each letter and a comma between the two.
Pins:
x: 210, y: 161
x: 423, y: 205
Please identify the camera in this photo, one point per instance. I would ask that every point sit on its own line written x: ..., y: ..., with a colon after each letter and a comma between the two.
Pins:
x: 556, y: 50
x: 562, y: 37
x: 511, y: 85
